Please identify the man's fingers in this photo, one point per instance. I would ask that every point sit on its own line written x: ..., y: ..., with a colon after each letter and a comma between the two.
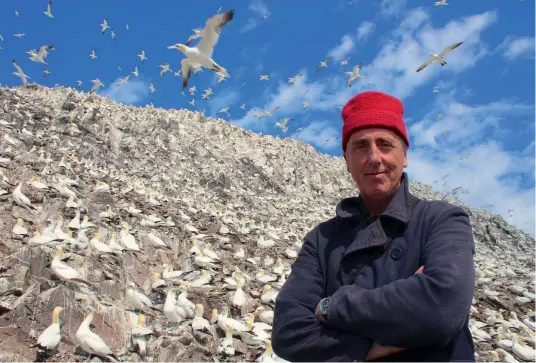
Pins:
x: 420, y: 270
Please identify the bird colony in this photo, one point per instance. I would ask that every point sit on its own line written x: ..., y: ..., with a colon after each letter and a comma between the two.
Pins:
x: 145, y: 234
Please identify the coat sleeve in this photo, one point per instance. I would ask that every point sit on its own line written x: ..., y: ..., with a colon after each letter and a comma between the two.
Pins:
x: 297, y: 335
x: 422, y: 309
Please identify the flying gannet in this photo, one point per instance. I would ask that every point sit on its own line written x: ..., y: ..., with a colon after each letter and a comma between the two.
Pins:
x: 112, y: 33
x: 295, y: 78
x: 151, y: 88
x: 135, y: 72
x: 165, y: 68
x: 104, y: 26
x: 345, y: 62
x: 439, y: 57
x: 49, y: 10
x: 264, y: 77
x: 96, y: 84
x: 16, y: 13
x: 440, y: 3
x: 201, y: 55
x: 323, y: 64
x: 207, y: 93
x: 353, y: 74
x: 283, y: 124
x: 142, y: 56
x: 93, y: 55
x: 19, y: 73
x: 122, y: 81
x: 19, y: 35
x: 46, y: 73
x: 41, y: 54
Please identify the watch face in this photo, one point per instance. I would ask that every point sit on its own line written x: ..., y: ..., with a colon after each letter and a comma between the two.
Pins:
x: 324, y: 306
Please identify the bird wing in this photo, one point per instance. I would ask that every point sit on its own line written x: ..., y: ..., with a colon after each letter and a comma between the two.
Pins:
x: 96, y: 344
x: 212, y: 30
x: 67, y: 272
x: 186, y: 68
x: 328, y: 59
x: 424, y: 65
x: 17, y: 67
x: 449, y: 49
x: 49, y: 7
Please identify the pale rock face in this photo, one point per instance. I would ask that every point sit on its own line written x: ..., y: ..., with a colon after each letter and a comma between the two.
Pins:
x: 210, y: 180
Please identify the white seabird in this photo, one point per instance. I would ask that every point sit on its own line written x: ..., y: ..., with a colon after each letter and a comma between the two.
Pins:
x: 91, y: 342
x: 201, y: 55
x: 49, y: 10
x: 50, y: 337
x: 104, y: 25
x: 165, y: 68
x: 41, y: 54
x: 439, y: 57
x: 93, y: 55
x: 19, y: 73
x: 135, y: 72
x: 440, y: 3
x: 96, y: 84
x: 323, y: 64
x: 353, y: 74
x: 142, y: 56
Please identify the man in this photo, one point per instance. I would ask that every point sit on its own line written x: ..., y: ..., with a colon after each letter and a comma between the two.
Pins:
x: 391, y: 277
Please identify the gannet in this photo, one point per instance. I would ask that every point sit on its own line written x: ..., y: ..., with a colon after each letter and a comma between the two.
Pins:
x: 104, y: 25
x: 96, y: 84
x: 353, y: 74
x: 62, y: 270
x: 192, y: 90
x: 178, y: 73
x: 221, y: 78
x: 79, y: 83
x: 201, y: 55
x: 98, y: 245
x: 139, y: 335
x: 268, y: 295
x: 21, y: 199
x: 183, y: 301
x: 174, y: 313
x: 138, y: 300
x: 305, y: 104
x: 19, y: 35
x: 19, y: 228
x: 128, y: 239
x: 40, y: 55
x: 165, y: 68
x: 345, y: 62
x: 264, y: 77
x: 283, y: 124
x: 295, y: 78
x: 323, y: 64
x: 439, y: 57
x: 19, y: 73
x: 239, y: 297
x: 49, y: 10
x: 151, y: 88
x: 112, y: 34
x: 207, y: 93
x: 135, y: 72
x: 224, y: 321
x: 122, y: 81
x: 199, y: 322
x: 93, y: 55
x: 243, y: 106
x: 16, y: 12
x: 224, y: 110
x: 142, y: 56
x: 440, y: 3
x: 266, y: 316
x: 157, y: 241
x: 91, y: 342
x: 50, y: 338
x: 226, y: 347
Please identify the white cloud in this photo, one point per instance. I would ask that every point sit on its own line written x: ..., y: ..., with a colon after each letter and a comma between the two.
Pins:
x: 319, y: 134
x: 339, y: 52
x: 223, y: 98
x: 130, y: 93
x: 513, y: 48
x: 392, y: 8
x: 260, y: 10
x: 365, y: 30
x: 474, y: 157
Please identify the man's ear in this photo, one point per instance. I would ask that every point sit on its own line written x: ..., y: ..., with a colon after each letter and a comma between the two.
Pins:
x: 405, y: 158
x: 346, y: 160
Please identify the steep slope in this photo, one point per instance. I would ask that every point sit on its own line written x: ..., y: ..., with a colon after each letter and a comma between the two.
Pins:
x: 182, y: 177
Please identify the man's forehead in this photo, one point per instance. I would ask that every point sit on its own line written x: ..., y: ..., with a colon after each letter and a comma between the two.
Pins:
x: 372, y: 134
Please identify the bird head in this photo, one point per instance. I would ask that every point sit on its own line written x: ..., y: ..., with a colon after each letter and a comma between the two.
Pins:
x: 59, y: 251
x: 178, y: 46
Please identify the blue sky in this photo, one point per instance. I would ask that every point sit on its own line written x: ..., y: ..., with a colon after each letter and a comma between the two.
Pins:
x: 483, y: 110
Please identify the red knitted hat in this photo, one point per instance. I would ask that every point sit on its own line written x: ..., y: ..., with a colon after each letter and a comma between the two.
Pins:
x: 373, y: 109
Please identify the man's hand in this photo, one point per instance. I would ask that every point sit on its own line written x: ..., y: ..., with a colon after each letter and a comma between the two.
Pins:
x: 379, y: 351
x: 318, y: 314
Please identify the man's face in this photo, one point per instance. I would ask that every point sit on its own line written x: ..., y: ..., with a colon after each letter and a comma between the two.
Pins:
x: 376, y: 158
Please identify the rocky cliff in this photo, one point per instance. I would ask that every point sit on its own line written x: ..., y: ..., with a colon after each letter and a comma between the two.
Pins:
x: 193, y: 193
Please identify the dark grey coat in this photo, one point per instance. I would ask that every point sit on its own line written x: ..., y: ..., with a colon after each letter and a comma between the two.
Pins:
x: 385, y: 303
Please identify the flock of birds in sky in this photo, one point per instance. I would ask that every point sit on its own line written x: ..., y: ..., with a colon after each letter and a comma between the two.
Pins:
x: 201, y: 56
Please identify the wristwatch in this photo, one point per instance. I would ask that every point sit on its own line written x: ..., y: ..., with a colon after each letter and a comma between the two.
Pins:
x: 324, y: 308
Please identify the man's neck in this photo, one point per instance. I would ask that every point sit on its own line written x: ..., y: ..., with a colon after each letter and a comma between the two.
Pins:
x: 376, y: 206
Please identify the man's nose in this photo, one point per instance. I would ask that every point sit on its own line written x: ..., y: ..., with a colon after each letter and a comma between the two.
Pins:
x: 374, y: 155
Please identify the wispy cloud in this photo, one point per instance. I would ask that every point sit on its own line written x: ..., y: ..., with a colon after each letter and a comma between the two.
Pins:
x: 339, y: 52
x: 320, y: 134
x: 365, y: 30
x: 392, y: 8
x: 466, y: 143
x: 132, y: 92
x: 513, y: 48
x: 260, y: 10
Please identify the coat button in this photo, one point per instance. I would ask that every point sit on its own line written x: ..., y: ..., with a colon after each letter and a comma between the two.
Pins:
x: 396, y: 253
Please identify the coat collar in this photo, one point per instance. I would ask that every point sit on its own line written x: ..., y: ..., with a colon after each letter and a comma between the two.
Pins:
x: 399, y: 207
